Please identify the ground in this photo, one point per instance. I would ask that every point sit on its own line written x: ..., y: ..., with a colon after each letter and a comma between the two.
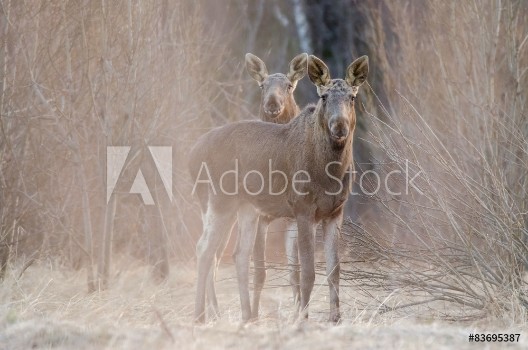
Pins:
x: 48, y: 306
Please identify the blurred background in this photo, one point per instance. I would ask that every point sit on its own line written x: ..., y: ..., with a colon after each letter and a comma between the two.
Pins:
x: 446, y: 99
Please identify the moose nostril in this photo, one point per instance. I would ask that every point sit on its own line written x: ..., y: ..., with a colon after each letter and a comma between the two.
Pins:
x: 273, y: 105
x: 339, y: 132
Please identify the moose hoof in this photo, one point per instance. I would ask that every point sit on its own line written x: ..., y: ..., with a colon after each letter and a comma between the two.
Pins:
x: 246, y: 317
x: 199, y: 319
x: 335, y: 317
x: 214, y: 315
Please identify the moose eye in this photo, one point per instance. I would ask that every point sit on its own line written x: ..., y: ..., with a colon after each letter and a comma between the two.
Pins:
x: 261, y: 86
x: 352, y: 98
x: 290, y: 88
x: 324, y: 97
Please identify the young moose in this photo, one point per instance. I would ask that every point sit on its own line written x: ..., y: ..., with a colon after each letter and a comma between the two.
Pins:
x: 277, y: 102
x: 313, y: 151
x: 277, y: 106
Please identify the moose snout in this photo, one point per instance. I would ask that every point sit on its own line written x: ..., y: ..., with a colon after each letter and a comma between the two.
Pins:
x: 339, y: 131
x: 273, y: 106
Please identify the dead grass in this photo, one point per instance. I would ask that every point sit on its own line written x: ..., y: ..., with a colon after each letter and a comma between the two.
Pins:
x: 455, y: 81
x: 48, y: 307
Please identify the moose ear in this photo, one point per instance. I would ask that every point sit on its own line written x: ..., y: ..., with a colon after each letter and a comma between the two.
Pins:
x: 318, y: 71
x: 298, y: 68
x: 357, y: 72
x: 256, y: 68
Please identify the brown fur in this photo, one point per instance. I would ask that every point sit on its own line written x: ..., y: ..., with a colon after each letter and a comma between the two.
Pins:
x: 291, y: 147
x: 277, y: 88
x: 321, y: 134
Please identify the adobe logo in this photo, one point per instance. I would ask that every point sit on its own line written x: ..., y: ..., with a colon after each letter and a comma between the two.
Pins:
x: 115, y: 161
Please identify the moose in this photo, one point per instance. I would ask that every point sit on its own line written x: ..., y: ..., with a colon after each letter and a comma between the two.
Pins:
x: 277, y: 105
x: 313, y: 155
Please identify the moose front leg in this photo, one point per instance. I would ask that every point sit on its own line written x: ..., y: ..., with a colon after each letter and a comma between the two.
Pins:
x: 305, y: 239
x: 292, y: 255
x: 259, y: 262
x: 332, y: 231
x: 247, y: 229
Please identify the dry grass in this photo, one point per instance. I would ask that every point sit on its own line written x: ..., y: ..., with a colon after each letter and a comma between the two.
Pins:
x: 456, y: 116
x: 48, y: 307
x: 78, y: 77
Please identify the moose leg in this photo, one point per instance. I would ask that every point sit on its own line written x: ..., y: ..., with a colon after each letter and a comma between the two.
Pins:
x: 292, y: 255
x: 332, y: 230
x: 212, y: 301
x: 305, y: 241
x: 259, y: 262
x: 216, y: 225
x: 247, y: 229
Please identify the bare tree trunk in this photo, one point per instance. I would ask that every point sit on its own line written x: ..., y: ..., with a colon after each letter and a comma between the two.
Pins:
x: 87, y: 220
x: 158, y: 254
x: 6, y: 242
x: 161, y: 266
x: 301, y: 23
x: 4, y: 251
x: 105, y: 253
x: 253, y: 20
